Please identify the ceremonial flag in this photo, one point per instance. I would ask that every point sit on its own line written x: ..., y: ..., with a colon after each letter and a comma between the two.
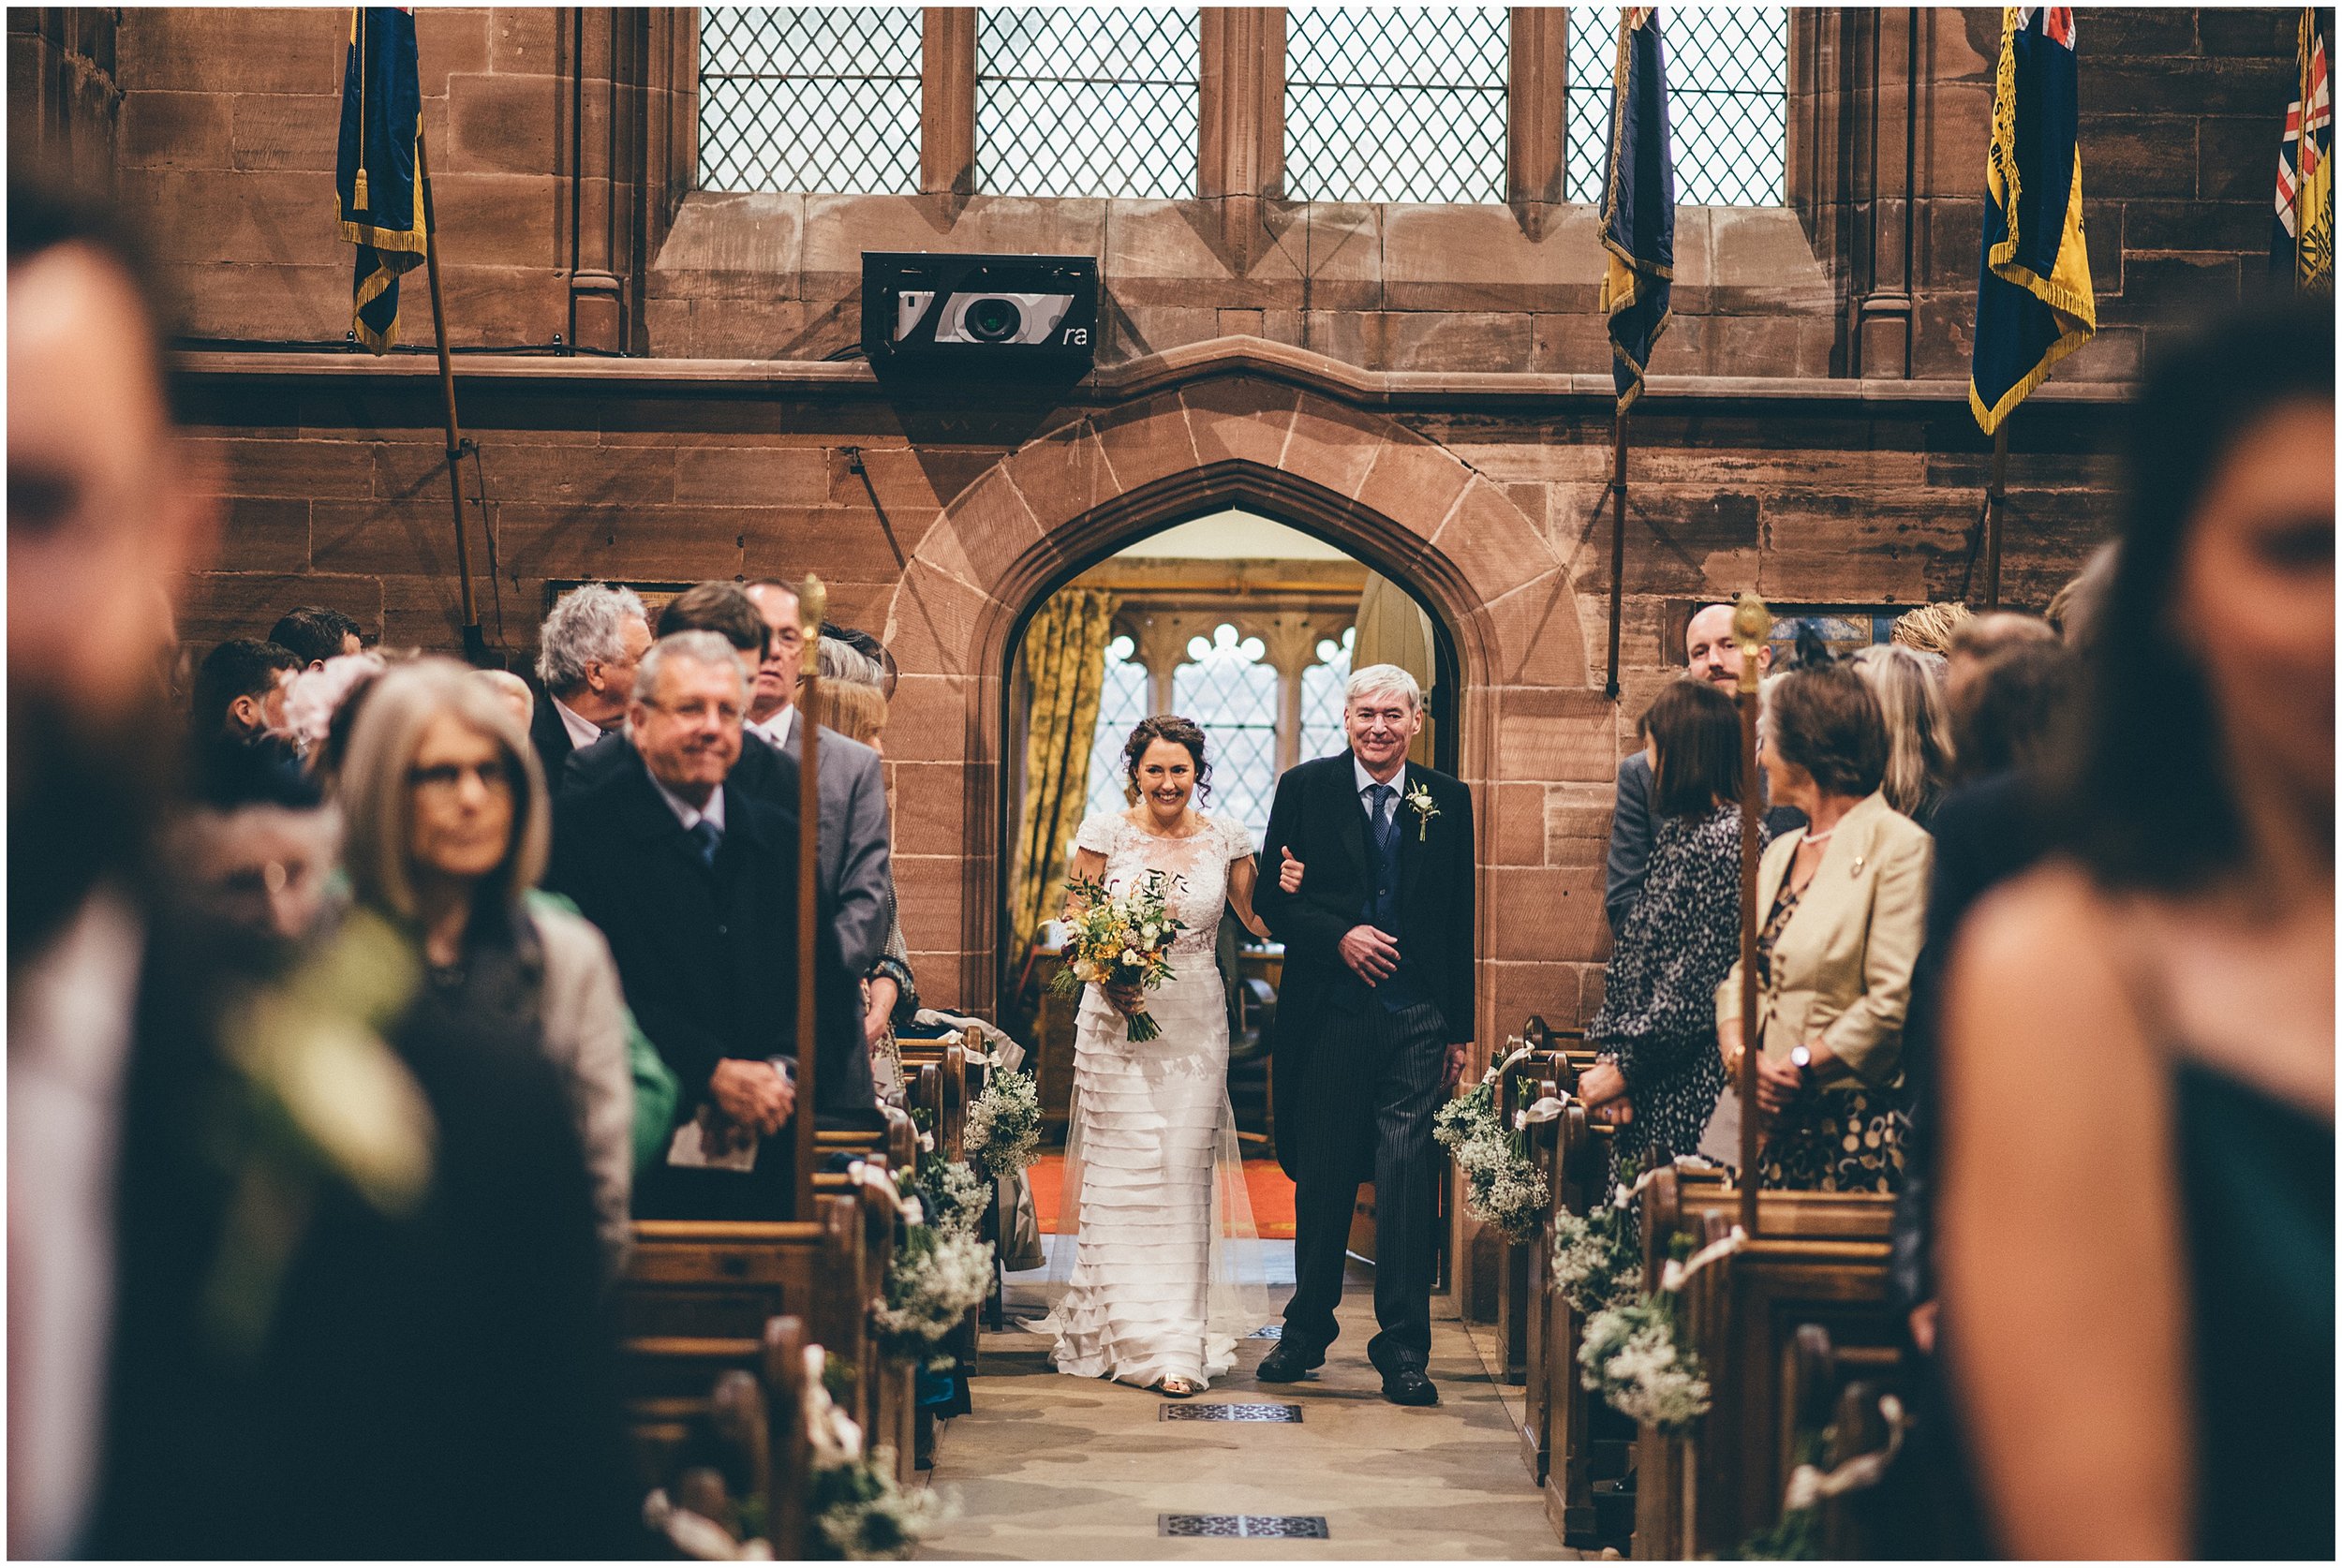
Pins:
x: 2034, y: 304
x: 2301, y: 244
x: 374, y: 174
x: 1638, y: 203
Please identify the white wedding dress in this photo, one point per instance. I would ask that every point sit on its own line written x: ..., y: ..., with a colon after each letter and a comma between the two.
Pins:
x: 1155, y: 1240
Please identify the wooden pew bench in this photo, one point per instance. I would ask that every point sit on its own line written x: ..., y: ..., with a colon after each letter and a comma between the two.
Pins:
x: 1819, y: 1259
x: 747, y: 1444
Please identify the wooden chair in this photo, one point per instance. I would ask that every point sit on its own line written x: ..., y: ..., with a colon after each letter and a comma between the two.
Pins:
x: 1820, y: 1258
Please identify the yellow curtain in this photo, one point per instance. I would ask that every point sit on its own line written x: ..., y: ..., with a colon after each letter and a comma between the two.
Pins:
x: 1393, y: 630
x: 1065, y: 657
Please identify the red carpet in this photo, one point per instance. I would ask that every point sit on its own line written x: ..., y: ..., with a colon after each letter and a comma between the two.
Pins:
x: 1270, y: 1189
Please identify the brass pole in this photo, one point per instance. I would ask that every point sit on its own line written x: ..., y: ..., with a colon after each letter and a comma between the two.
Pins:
x: 475, y: 645
x: 1752, y: 625
x: 1992, y: 513
x: 1618, y: 541
x: 812, y: 604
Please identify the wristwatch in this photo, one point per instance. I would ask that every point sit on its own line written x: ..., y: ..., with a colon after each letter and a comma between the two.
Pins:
x: 1802, y: 1059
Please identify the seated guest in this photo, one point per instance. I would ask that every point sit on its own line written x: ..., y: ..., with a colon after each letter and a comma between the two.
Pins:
x: 1656, y: 1029
x: 1982, y: 637
x: 447, y: 822
x: 316, y: 634
x: 694, y: 880
x: 2137, y: 1208
x: 1918, y: 733
x: 853, y: 828
x: 1712, y: 654
x: 586, y: 652
x: 1843, y: 902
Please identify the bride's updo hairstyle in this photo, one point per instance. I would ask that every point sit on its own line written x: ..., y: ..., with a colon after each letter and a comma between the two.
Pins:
x: 1178, y: 731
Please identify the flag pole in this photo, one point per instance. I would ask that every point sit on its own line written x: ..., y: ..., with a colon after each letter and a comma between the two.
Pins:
x: 474, y: 644
x: 1994, y: 498
x: 1618, y: 539
x: 1752, y: 625
x: 812, y: 605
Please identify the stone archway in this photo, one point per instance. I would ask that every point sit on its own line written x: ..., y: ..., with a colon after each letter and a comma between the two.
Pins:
x: 1406, y: 506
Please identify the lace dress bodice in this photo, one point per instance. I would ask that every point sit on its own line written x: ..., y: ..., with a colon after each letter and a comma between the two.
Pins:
x: 1197, y: 866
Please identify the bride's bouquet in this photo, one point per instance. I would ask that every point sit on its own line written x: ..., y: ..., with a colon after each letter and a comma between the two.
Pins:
x: 1120, y: 939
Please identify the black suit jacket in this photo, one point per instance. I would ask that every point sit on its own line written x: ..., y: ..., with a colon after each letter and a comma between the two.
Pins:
x: 1317, y: 814
x: 707, y: 957
x: 551, y: 737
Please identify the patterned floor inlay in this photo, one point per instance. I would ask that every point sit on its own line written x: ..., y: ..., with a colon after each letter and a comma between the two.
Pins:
x: 1221, y: 1410
x: 1250, y: 1527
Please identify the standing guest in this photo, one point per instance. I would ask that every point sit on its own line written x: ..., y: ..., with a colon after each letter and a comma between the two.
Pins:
x: 513, y: 691
x: 240, y: 692
x: 1712, y: 654
x: 1844, y: 900
x: 256, y: 850
x: 586, y: 657
x: 853, y: 826
x: 1918, y: 731
x: 694, y: 880
x: 872, y: 650
x: 1981, y: 636
x: 1657, y: 1025
x: 2008, y: 714
x: 316, y: 634
x: 1931, y: 627
x: 2146, y: 1364
x: 448, y: 824
x: 2074, y: 608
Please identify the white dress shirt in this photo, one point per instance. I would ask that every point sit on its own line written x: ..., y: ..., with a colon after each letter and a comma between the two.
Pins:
x: 692, y: 816
x: 776, y: 729
x: 582, y: 732
x: 1397, y: 781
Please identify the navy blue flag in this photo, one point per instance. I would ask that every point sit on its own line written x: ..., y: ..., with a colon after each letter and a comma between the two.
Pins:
x: 1638, y: 203
x: 2034, y: 302
x: 374, y: 173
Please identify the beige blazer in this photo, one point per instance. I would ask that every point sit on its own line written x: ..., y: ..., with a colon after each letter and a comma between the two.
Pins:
x: 1842, y: 969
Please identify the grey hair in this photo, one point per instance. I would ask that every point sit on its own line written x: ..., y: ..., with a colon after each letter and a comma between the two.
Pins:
x: 711, y: 648
x: 843, y: 662
x: 583, y: 629
x: 1379, y: 680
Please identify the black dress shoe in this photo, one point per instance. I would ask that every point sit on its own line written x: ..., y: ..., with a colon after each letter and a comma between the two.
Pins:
x: 1288, y: 1363
x: 1408, y: 1386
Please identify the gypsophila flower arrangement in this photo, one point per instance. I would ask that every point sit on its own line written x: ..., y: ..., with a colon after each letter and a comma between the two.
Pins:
x: 863, y: 1512
x: 1595, y: 1259
x: 1003, y: 1131
x: 1631, y: 1359
x: 1502, y: 1188
x: 1120, y: 938
x: 937, y: 1277
x: 954, y: 1198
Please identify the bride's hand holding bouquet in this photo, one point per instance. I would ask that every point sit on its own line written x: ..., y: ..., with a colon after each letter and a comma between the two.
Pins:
x: 1120, y: 944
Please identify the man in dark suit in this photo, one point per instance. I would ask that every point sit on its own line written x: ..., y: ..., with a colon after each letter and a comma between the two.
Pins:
x: 693, y: 878
x: 1375, y: 1018
x: 586, y: 652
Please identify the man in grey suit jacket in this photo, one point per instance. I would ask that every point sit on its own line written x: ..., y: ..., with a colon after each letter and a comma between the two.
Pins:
x: 853, y: 826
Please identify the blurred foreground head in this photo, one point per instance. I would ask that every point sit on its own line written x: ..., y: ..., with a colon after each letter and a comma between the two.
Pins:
x: 2210, y: 734
x: 102, y: 522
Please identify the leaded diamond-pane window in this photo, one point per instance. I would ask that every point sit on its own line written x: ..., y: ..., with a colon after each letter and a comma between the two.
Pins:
x: 1727, y: 102
x: 1082, y: 101
x: 1396, y: 103
x: 1226, y: 688
x: 1122, y: 705
x: 809, y: 98
x: 1322, y: 733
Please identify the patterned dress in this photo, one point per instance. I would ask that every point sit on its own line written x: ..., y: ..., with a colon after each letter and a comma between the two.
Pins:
x: 1845, y: 1138
x: 1658, y: 1016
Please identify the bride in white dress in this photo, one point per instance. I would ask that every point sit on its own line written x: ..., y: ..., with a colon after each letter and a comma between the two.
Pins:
x: 1153, y: 1195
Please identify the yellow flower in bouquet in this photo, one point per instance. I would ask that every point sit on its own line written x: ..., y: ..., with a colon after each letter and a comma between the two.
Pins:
x: 1120, y: 939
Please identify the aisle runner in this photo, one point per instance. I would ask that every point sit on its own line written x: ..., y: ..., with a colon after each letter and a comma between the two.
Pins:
x: 1268, y: 1187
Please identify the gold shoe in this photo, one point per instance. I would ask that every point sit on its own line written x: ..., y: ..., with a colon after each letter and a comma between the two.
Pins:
x: 1177, y: 1388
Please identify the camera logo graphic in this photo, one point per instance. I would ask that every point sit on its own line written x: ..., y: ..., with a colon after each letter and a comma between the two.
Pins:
x: 979, y: 318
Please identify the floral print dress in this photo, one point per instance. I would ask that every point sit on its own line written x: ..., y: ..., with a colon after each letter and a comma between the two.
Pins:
x: 1845, y: 1138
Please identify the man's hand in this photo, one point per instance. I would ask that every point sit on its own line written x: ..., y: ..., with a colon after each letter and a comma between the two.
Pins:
x: 1371, y: 955
x: 752, y: 1093
x: 1288, y: 874
x: 1456, y: 1055
x: 878, y: 994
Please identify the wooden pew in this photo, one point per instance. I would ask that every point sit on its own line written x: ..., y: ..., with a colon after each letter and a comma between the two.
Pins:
x: 1820, y: 1258
x: 750, y: 1443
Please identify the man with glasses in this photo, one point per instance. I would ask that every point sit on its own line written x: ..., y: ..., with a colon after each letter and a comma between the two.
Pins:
x: 692, y: 876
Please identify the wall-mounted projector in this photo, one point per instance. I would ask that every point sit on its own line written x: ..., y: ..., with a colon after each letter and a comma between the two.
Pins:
x: 980, y: 315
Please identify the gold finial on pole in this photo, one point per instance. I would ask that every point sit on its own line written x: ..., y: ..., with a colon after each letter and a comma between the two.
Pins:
x: 1752, y: 627
x: 812, y: 605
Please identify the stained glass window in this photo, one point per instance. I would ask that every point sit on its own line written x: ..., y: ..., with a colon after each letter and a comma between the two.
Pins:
x: 1226, y: 687
x: 1124, y: 704
x: 1396, y: 103
x: 1727, y: 102
x: 1087, y: 101
x: 1322, y: 733
x: 809, y: 98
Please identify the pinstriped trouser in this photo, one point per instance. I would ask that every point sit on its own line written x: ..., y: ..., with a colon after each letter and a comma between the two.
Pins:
x: 1374, y: 1083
